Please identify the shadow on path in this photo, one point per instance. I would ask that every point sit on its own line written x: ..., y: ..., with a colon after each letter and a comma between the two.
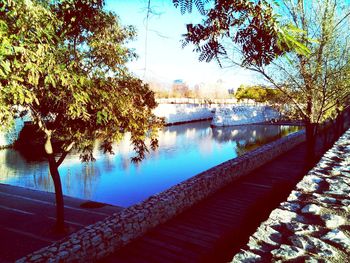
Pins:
x: 27, y: 219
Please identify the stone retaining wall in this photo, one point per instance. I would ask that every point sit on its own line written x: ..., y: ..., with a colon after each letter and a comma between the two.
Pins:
x: 313, y: 225
x: 244, y: 114
x: 222, y: 115
x: 100, y: 239
x: 179, y: 113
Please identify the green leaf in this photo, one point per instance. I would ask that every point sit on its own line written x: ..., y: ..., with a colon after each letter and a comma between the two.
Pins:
x: 2, y: 74
x: 6, y: 66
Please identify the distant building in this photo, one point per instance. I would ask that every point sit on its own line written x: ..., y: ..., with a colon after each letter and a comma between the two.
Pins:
x: 178, y: 81
x: 231, y: 91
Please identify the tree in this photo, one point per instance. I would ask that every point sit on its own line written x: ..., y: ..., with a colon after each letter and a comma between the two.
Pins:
x: 305, y: 55
x: 316, y: 85
x: 160, y: 89
x: 259, y: 94
x: 179, y: 89
x: 63, y: 62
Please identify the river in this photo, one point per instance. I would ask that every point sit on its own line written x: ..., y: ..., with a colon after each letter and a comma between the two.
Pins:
x: 184, y: 151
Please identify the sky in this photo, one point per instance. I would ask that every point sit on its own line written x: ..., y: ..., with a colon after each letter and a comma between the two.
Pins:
x: 166, y: 60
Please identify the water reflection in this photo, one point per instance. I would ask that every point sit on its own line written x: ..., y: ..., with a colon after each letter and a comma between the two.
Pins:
x: 184, y: 151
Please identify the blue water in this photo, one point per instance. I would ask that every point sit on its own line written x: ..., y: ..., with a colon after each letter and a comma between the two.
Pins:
x: 184, y: 151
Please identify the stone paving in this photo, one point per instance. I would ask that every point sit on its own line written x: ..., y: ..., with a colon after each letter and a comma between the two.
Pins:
x: 313, y: 225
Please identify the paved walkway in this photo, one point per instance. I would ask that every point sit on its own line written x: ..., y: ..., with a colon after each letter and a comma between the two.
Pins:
x: 216, y: 228
x: 313, y: 224
x: 27, y: 218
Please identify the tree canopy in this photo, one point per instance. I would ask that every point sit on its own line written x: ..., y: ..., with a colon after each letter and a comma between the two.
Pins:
x: 64, y: 63
x: 251, y: 25
x: 318, y: 84
x: 259, y: 94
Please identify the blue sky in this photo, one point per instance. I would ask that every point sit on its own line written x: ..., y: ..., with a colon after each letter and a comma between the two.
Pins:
x: 166, y: 60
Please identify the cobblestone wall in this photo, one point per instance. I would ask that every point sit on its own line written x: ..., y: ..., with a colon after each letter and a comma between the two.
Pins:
x: 313, y: 225
x: 102, y: 238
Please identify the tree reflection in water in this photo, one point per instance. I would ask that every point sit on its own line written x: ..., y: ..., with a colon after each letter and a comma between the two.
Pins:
x: 184, y: 150
x: 250, y: 137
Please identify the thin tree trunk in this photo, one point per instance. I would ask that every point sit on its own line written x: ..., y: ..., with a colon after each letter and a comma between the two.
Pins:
x: 339, y: 123
x: 58, y: 193
x: 53, y: 166
x: 327, y: 127
x: 310, y: 142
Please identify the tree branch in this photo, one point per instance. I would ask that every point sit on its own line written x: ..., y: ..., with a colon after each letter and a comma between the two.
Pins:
x: 283, y: 91
x: 65, y: 153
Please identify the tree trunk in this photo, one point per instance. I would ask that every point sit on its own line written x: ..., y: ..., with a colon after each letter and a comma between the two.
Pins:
x: 326, y: 130
x: 53, y: 166
x: 310, y: 142
x: 339, y: 124
x: 58, y: 193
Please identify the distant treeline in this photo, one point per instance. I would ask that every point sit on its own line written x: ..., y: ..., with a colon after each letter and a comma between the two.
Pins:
x: 259, y: 94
